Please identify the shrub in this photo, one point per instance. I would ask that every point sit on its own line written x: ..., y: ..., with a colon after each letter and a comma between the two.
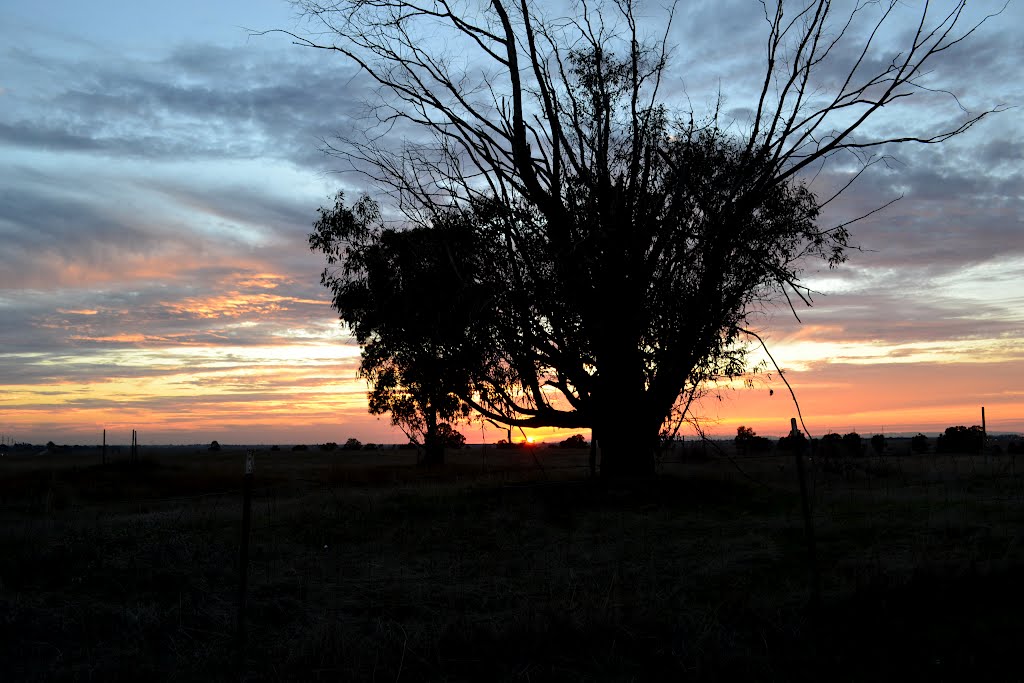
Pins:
x: 830, y: 445
x: 300, y: 447
x: 961, y: 440
x: 747, y: 441
x: 329, y: 446
x: 352, y: 444
x: 214, y: 446
x: 275, y: 448
x: 450, y: 437
x: 878, y: 444
x: 852, y: 444
x: 919, y: 444
x: 790, y: 442
x: 574, y: 441
x: 370, y: 447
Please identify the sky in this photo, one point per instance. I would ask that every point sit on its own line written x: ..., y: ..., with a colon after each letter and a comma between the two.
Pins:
x: 160, y: 170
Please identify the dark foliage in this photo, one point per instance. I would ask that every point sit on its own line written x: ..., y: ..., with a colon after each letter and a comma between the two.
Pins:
x: 792, y: 442
x: 749, y: 442
x: 878, y: 444
x: 919, y: 444
x: 574, y: 441
x: 409, y: 298
x: 352, y: 444
x: 961, y: 440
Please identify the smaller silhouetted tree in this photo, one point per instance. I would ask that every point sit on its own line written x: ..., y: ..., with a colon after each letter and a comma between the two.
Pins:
x: 831, y: 445
x: 353, y: 444
x: 790, y: 442
x: 449, y: 437
x: 878, y: 444
x: 919, y: 444
x: 747, y: 441
x: 852, y: 445
x: 574, y: 441
x: 961, y: 439
x: 214, y: 446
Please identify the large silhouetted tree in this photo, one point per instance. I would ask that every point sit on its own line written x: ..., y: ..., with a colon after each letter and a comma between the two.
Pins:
x: 621, y: 243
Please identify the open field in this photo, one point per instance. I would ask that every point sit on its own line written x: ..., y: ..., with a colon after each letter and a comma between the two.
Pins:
x: 494, y: 567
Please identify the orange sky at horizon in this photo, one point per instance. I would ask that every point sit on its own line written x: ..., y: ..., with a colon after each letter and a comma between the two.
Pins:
x: 304, y: 389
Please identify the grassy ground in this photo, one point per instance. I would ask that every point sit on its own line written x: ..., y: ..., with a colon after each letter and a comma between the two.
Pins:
x: 364, y: 567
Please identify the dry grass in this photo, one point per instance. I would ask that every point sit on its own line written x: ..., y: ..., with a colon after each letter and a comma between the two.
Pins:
x: 364, y: 567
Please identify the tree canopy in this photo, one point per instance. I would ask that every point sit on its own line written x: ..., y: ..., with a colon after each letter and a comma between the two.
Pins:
x: 576, y: 252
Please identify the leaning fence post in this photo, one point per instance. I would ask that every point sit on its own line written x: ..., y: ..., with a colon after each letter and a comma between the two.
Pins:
x: 243, y: 564
x: 812, y: 553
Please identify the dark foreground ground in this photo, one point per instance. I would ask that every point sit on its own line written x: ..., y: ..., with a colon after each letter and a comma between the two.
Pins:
x: 503, y: 566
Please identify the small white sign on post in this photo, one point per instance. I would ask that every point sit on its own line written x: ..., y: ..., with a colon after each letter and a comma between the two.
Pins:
x: 248, y: 461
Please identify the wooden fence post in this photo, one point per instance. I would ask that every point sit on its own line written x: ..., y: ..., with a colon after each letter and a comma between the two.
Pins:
x: 812, y: 552
x: 243, y: 564
x: 984, y: 432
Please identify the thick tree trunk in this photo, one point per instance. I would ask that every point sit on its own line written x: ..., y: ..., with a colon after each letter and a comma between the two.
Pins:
x: 628, y: 434
x: 433, y: 447
x: 627, y: 450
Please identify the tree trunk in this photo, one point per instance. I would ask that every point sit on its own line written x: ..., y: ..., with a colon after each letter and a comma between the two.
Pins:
x: 433, y: 447
x: 628, y: 435
x: 627, y: 450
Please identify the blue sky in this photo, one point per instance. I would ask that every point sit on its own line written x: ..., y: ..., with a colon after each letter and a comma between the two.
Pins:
x: 162, y: 168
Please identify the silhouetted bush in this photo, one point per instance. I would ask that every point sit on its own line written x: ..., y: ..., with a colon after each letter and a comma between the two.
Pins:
x: 450, y: 437
x: 574, y: 441
x: 352, y: 444
x: 961, y: 439
x: 789, y: 443
x: 503, y: 444
x: 275, y: 448
x: 747, y: 441
x: 300, y: 447
x: 329, y: 446
x: 919, y: 444
x: 370, y: 447
x: 852, y: 445
x: 878, y: 444
x: 830, y: 445
x: 214, y: 446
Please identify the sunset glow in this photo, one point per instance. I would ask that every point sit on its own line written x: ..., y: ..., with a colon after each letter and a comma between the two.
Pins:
x: 155, y: 271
